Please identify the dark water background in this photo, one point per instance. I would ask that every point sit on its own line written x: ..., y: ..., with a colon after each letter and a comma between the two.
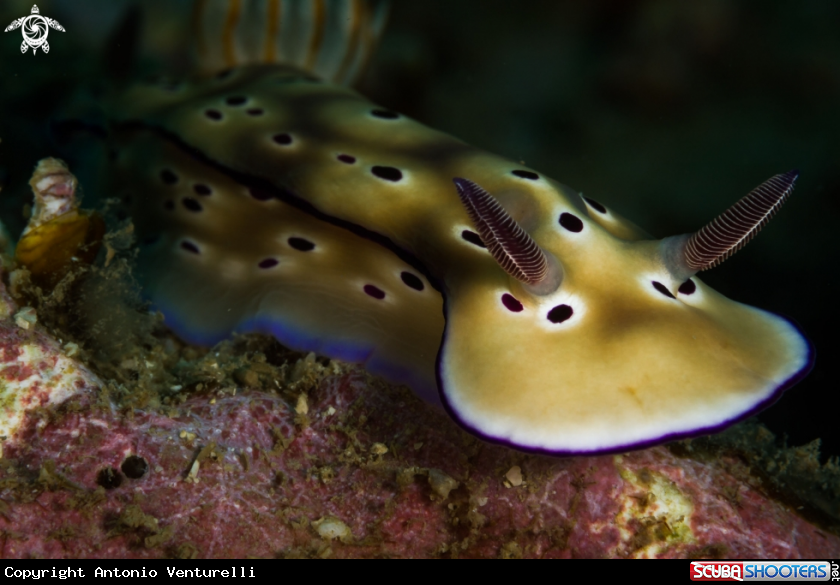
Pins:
x: 666, y: 111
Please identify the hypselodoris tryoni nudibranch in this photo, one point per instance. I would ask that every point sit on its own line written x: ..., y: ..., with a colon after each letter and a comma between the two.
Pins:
x: 268, y: 197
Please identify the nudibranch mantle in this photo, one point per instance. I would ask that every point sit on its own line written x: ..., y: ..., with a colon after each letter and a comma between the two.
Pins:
x: 269, y: 201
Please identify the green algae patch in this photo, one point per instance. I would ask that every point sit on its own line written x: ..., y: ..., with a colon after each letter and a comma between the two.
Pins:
x: 794, y: 476
x: 656, y: 516
x: 133, y: 521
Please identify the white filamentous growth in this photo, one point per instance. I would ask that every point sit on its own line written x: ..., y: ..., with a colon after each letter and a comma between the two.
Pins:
x: 55, y: 190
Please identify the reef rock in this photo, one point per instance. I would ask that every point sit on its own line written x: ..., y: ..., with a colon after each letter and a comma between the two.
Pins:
x: 349, y: 468
x: 36, y: 371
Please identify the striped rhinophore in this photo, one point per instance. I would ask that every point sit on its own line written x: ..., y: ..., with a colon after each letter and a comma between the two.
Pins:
x: 333, y: 39
x: 515, y: 251
x: 732, y: 229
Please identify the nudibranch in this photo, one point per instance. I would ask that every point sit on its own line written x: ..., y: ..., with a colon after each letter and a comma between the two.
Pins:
x: 268, y: 199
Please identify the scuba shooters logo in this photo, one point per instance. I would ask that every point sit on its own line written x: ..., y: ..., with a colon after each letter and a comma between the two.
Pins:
x: 761, y: 570
x: 35, y: 29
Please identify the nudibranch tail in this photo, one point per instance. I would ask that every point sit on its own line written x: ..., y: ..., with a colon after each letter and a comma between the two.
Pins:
x: 333, y: 40
x: 689, y: 254
x: 511, y: 246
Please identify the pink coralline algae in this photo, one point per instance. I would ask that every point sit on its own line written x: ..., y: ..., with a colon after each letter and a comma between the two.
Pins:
x: 353, y: 468
x: 35, y: 370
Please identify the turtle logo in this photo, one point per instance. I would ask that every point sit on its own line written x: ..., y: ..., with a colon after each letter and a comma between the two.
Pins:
x: 35, y: 30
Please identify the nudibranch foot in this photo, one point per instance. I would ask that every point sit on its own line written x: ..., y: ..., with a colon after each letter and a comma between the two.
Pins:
x: 251, y: 261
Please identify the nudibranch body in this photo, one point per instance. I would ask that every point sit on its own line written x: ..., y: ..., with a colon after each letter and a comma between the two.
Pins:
x: 268, y: 200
